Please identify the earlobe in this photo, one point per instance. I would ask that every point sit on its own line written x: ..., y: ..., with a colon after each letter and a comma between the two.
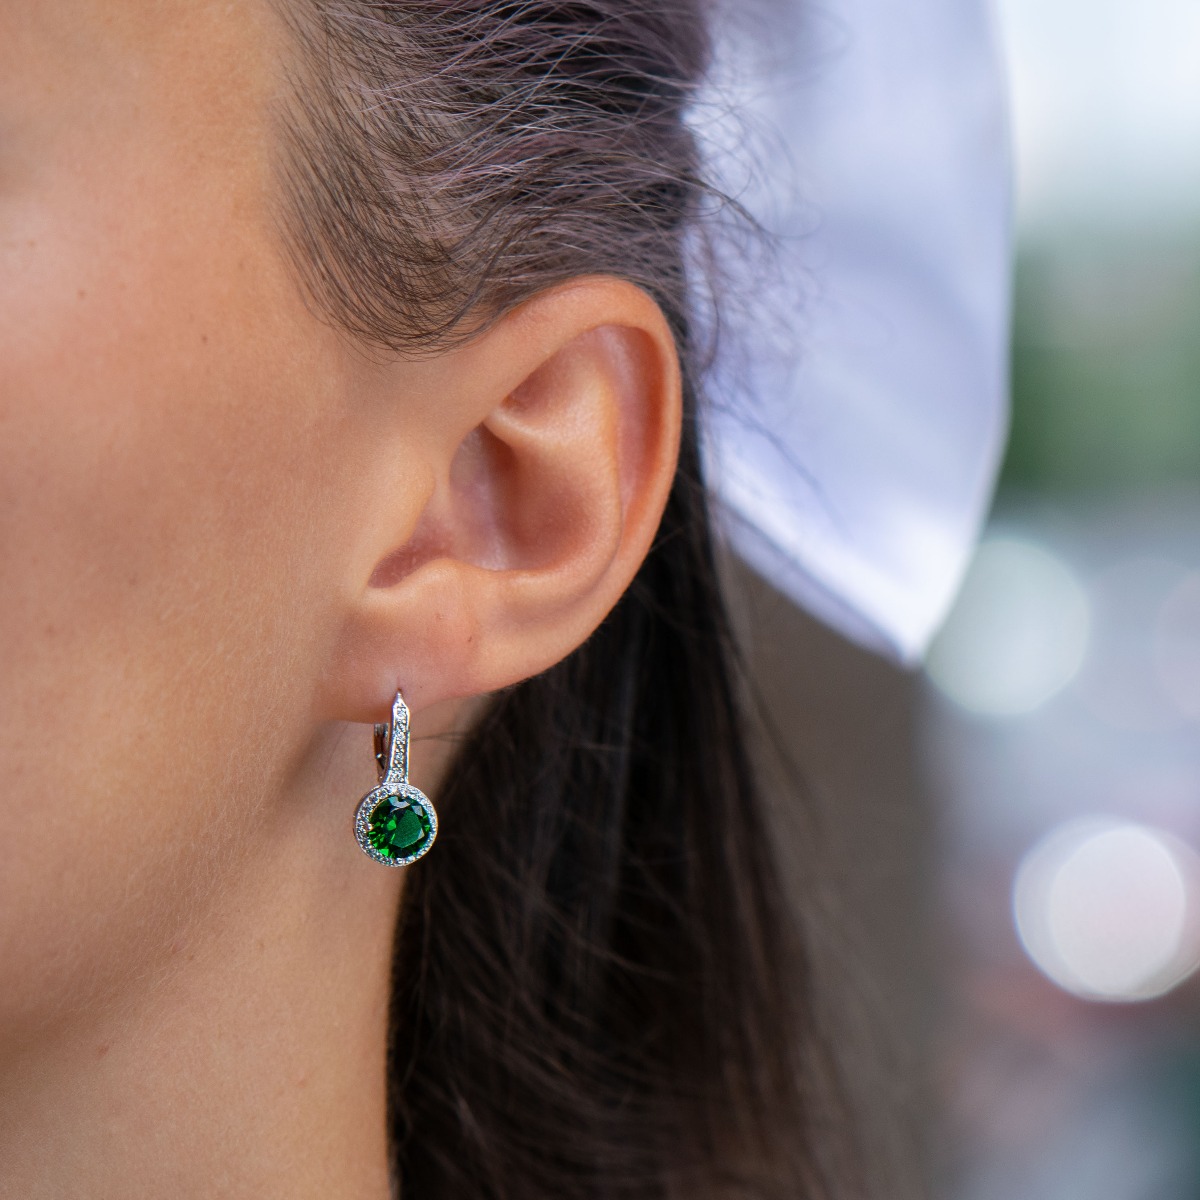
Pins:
x: 547, y: 500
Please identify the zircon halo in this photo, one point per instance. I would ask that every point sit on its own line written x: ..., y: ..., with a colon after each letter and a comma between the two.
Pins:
x: 395, y: 824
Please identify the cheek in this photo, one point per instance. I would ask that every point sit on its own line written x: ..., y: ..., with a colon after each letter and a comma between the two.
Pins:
x: 166, y: 545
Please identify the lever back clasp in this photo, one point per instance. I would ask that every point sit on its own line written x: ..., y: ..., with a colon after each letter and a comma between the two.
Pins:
x: 391, y: 744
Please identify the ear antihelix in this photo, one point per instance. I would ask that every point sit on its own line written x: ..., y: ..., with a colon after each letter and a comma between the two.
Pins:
x: 395, y: 823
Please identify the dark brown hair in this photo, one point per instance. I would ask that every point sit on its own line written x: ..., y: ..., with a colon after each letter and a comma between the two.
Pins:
x: 598, y: 992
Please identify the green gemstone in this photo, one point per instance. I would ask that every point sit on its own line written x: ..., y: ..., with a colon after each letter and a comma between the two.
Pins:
x: 398, y: 827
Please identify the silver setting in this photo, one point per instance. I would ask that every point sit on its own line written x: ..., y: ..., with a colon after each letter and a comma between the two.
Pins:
x: 391, y: 758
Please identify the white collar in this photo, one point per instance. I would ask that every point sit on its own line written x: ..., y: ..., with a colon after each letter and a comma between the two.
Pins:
x: 855, y: 455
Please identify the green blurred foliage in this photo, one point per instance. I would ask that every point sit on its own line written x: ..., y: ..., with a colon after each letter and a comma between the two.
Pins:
x: 1106, y: 361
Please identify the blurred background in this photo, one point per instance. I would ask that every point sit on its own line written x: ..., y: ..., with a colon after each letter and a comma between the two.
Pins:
x: 1015, y: 880
x: 1058, y: 724
x: 1059, y: 721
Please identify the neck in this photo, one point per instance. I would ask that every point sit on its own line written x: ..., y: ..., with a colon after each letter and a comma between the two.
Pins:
x: 253, y: 1063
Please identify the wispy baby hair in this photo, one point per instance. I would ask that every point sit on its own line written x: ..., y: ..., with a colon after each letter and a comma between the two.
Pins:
x: 455, y: 158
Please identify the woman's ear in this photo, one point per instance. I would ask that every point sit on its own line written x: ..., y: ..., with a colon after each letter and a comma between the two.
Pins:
x: 514, y: 501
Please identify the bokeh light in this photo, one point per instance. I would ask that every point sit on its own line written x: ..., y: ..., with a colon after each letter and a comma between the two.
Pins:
x: 1018, y: 633
x: 1107, y: 909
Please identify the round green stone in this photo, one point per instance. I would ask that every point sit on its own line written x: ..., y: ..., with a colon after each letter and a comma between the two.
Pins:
x: 398, y: 827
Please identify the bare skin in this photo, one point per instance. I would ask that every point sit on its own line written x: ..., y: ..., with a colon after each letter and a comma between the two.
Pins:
x: 226, y: 536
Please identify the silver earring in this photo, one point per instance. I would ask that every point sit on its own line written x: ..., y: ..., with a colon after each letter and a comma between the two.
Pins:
x: 395, y: 823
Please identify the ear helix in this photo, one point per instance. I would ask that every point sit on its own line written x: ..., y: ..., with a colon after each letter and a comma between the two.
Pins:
x: 395, y: 823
